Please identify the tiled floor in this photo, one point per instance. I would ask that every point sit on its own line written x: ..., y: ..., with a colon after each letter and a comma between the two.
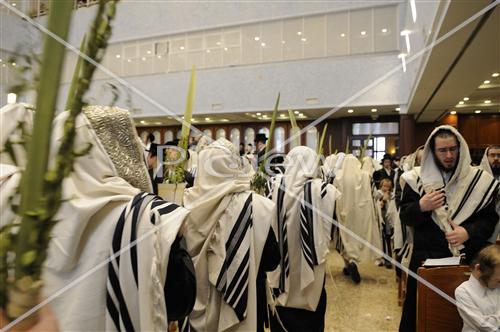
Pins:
x: 370, y: 306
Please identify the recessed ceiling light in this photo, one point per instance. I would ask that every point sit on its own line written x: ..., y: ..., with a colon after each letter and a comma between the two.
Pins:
x: 487, y: 101
x: 208, y: 51
x: 259, y: 114
x: 282, y: 115
x: 218, y: 43
x: 256, y: 38
x: 14, y: 64
x: 404, y: 32
x: 461, y: 102
x: 143, y: 59
x: 350, y: 111
x: 453, y: 112
x: 1, y: 60
x: 224, y: 120
x: 129, y: 60
x: 225, y: 48
x: 398, y: 109
x: 283, y: 42
x: 262, y: 44
x: 384, y: 30
x: 374, y: 110
x: 466, y: 98
x: 342, y: 35
x: 301, y: 114
x: 118, y: 56
x: 495, y: 74
x: 142, y: 121
x: 148, y: 52
x: 477, y: 111
x: 264, y: 116
x: 487, y: 82
x: 363, y: 33
x: 299, y: 33
x: 14, y: 4
x: 303, y: 39
x: 159, y: 56
x: 296, y: 112
x: 207, y: 119
x: 181, y: 48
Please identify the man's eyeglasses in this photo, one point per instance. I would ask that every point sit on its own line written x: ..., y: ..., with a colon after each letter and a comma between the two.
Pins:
x: 494, y: 155
x: 451, y: 149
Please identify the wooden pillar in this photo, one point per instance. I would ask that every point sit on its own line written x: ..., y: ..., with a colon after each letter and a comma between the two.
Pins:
x: 406, y: 134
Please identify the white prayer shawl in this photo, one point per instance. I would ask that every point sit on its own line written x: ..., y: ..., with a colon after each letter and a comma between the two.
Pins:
x: 356, y: 212
x: 136, y: 278
x: 11, y: 116
x: 219, y: 198
x: 97, y: 192
x: 328, y: 167
x: 485, y: 165
x: 305, y: 207
x: 468, y: 190
x: 370, y: 165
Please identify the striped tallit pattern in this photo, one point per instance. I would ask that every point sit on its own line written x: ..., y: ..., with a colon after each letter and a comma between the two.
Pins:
x: 306, y: 225
x: 232, y: 281
x: 122, y: 286
x: 282, y: 237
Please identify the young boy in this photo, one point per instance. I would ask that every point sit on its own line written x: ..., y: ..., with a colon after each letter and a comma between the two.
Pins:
x: 478, y: 299
x: 387, y: 212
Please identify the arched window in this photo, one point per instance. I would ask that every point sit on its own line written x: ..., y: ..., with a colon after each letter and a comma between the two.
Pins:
x: 235, y: 137
x: 208, y: 132
x: 168, y: 136
x: 157, y: 136
x: 220, y: 133
x: 264, y: 130
x: 279, y: 139
x: 249, y: 136
x: 312, y: 138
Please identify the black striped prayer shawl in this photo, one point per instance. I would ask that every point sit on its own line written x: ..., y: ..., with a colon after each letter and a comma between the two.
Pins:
x: 122, y: 296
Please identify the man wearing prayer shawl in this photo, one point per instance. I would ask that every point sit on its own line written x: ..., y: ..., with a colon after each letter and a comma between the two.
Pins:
x: 356, y: 211
x: 230, y: 238
x: 107, y: 212
x: 449, y: 204
x: 491, y: 164
x: 305, y: 206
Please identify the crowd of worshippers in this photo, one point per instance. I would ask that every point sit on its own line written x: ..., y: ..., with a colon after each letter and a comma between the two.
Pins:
x: 232, y: 259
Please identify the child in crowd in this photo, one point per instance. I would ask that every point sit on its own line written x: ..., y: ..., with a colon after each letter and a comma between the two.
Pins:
x: 387, y: 212
x: 478, y: 299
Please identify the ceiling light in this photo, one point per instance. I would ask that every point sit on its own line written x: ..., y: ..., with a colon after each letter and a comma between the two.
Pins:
x: 350, y: 111
x: 181, y: 48
x: 256, y: 38
x: 14, y: 4
x: 262, y: 44
x: 282, y: 115
x: 413, y: 7
x: 384, y: 30
x: 264, y: 116
x: 461, y: 102
x: 1, y: 60
x: 225, y: 48
x: 207, y: 119
x: 14, y: 64
x: 296, y: 112
x: 374, y: 110
x: 406, y: 34
x: 3, y: 65
x: 453, y: 112
x: 303, y: 39
x: 142, y: 121
x: 118, y: 56
x: 299, y: 33
x: 129, y: 60
x: 159, y: 57
x: 143, y: 58
x: 218, y: 43
x: 259, y: 114
x: 342, y: 35
x: 363, y: 33
x: 495, y: 74
x: 477, y: 111
x: 148, y: 52
x: 397, y: 109
x: 224, y: 120
x: 466, y: 98
x: 301, y: 114
x: 487, y: 101
x: 283, y: 42
x: 487, y: 82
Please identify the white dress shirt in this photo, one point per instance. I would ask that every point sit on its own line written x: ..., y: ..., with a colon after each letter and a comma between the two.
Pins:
x: 478, y: 306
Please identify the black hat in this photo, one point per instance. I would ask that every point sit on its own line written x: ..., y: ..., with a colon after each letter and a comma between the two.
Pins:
x: 174, y: 142
x: 261, y: 138
x: 386, y: 157
x: 152, y: 149
x: 397, y: 158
